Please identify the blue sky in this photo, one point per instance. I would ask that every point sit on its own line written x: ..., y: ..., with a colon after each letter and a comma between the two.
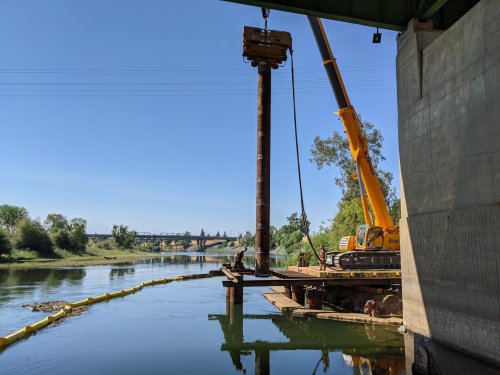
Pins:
x: 143, y: 112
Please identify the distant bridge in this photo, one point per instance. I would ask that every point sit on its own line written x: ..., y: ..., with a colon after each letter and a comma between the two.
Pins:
x: 146, y: 236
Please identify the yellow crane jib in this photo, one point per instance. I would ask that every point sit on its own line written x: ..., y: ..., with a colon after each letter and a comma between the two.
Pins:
x: 376, y: 244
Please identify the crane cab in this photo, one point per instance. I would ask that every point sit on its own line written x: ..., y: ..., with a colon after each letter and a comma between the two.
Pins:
x: 371, y: 237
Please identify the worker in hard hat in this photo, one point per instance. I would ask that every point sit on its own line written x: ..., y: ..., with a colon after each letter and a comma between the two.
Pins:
x: 238, y: 259
x: 371, y: 307
x: 322, y: 258
x: 303, y: 262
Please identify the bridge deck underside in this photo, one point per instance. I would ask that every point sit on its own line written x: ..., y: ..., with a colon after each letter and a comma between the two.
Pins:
x: 388, y: 14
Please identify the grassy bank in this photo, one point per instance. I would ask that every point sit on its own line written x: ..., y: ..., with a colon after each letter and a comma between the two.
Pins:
x: 91, y: 257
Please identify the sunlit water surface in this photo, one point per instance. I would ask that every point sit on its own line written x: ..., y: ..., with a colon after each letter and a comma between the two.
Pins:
x: 178, y: 328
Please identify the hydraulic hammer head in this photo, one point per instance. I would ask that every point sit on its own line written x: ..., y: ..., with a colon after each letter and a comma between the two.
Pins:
x: 269, y: 46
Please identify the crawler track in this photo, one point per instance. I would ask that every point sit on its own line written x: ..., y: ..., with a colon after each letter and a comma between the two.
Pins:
x: 368, y: 260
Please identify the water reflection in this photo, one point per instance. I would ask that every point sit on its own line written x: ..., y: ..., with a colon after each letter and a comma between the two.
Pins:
x: 355, y: 341
x: 120, y: 272
x: 53, y: 277
x: 22, y: 281
x: 19, y: 281
x: 216, y: 260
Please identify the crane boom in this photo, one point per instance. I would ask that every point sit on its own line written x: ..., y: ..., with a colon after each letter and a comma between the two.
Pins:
x: 357, y: 140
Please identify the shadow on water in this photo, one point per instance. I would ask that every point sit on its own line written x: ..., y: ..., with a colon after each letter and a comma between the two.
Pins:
x: 368, y: 349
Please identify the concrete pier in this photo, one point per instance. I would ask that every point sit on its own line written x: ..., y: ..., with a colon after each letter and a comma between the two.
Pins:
x: 449, y: 142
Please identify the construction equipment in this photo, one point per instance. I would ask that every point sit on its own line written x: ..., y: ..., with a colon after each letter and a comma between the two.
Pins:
x: 262, y: 45
x: 376, y: 244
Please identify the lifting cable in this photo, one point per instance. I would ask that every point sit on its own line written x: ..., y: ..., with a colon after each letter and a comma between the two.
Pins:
x: 305, y: 223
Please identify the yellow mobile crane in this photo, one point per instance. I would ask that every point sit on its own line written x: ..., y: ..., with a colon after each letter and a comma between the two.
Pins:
x: 376, y: 244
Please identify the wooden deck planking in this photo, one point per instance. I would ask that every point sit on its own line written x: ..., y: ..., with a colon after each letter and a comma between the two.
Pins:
x: 340, y: 273
x: 277, y: 289
x: 282, y: 302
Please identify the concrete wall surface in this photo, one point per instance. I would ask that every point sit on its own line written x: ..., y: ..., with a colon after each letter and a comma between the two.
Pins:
x: 449, y: 144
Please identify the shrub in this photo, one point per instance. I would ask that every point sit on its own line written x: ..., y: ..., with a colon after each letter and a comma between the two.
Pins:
x: 78, y: 235
x: 67, y: 236
x: 61, y: 238
x: 11, y: 215
x: 5, y: 245
x: 106, y: 245
x: 30, y: 235
x: 124, y: 237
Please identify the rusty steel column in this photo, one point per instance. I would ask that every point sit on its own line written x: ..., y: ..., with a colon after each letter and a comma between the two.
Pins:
x: 315, y: 298
x: 262, y: 364
x: 298, y: 294
x: 265, y: 49
x: 263, y: 171
x: 234, y: 294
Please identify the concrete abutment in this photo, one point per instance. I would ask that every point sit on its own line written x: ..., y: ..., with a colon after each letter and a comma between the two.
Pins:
x: 449, y: 142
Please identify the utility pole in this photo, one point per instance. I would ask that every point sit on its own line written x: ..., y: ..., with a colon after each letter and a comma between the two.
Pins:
x: 265, y: 49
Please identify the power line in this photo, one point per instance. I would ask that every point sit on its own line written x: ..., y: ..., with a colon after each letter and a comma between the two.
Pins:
x: 84, y: 70
x: 218, y: 83
x: 134, y: 94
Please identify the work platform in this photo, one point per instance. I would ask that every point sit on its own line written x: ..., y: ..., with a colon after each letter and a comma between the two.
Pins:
x: 305, y: 276
x: 297, y: 280
x: 334, y: 273
x: 282, y: 302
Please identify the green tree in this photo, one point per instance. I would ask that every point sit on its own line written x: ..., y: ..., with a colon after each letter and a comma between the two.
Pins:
x: 273, y: 237
x: 66, y: 235
x: 217, y: 234
x: 61, y: 238
x: 124, y: 237
x: 334, y: 151
x: 31, y: 235
x: 248, y: 239
x: 11, y: 215
x: 289, y: 237
x: 78, y: 235
x: 5, y: 244
x: 345, y: 223
x: 56, y: 221
x: 395, y: 211
x: 225, y: 234
x: 202, y: 233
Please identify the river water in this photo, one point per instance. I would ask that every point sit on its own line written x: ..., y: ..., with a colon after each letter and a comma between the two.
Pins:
x: 179, y: 328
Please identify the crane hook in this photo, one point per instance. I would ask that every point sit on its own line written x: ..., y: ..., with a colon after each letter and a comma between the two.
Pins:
x: 265, y: 15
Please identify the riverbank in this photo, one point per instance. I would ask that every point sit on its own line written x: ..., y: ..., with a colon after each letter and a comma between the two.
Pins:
x: 91, y: 257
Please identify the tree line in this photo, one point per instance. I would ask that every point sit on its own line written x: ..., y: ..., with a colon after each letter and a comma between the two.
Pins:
x: 21, y: 232
x: 18, y: 231
x: 334, y: 152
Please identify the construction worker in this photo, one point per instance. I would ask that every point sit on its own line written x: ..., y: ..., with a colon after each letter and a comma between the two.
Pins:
x: 238, y: 259
x: 303, y: 259
x: 322, y: 258
x: 371, y: 307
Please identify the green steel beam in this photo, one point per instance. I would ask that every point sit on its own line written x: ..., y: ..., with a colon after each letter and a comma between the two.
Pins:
x: 386, y: 14
x: 432, y: 10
